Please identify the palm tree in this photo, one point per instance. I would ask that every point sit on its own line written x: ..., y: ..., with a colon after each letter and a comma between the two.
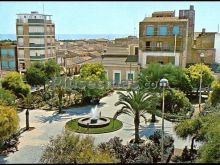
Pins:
x: 135, y: 104
x: 28, y: 100
x: 60, y: 92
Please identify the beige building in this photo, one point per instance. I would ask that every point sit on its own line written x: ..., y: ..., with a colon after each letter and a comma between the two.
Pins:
x: 120, y: 65
x: 204, y: 43
x: 124, y: 42
x: 35, y: 38
x: 165, y: 38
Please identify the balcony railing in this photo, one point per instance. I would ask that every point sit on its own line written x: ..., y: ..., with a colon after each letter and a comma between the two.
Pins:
x: 36, y: 45
x: 36, y: 33
x: 156, y: 33
x: 32, y: 21
x: 37, y: 57
x: 35, y: 20
x: 168, y: 48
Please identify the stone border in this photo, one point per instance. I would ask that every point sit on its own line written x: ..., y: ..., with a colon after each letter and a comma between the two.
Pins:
x: 94, y: 125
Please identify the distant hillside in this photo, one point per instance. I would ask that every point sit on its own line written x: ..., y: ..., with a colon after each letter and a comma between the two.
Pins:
x: 72, y: 36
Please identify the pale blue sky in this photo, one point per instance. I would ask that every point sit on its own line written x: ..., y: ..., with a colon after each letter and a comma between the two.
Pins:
x: 110, y: 17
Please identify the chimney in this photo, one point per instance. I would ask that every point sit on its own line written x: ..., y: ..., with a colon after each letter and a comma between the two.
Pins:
x: 191, y: 7
x: 203, y: 30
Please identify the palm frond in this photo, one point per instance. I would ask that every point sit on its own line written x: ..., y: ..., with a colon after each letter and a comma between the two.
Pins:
x: 145, y: 119
x: 121, y: 111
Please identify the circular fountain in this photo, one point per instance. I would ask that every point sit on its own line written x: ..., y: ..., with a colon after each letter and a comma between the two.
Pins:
x: 95, y: 121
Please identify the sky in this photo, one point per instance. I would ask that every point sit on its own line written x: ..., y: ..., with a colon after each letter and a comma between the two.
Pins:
x: 105, y: 17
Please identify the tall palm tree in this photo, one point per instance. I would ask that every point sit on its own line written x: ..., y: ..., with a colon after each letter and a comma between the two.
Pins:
x: 135, y: 104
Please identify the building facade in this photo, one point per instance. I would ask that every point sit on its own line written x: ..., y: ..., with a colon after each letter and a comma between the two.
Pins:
x: 204, y: 43
x: 35, y: 39
x: 165, y: 38
x: 120, y: 64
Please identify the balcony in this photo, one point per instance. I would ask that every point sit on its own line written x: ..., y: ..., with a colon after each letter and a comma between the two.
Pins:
x: 37, y: 57
x: 36, y: 33
x: 169, y: 34
x: 163, y: 49
x: 35, y: 20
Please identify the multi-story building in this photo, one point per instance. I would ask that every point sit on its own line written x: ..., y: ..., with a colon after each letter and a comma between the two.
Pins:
x: 35, y: 38
x: 8, y: 58
x: 165, y: 38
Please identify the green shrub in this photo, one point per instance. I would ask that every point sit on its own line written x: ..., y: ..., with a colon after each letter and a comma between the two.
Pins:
x: 214, y: 97
x: 70, y: 148
x: 176, y: 102
x: 7, y: 97
x: 9, y: 122
x: 13, y: 82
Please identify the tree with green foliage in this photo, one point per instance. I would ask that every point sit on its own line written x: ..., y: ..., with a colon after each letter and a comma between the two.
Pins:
x: 94, y: 81
x: 36, y: 75
x: 201, y: 128
x: 51, y: 69
x: 92, y: 71
x: 9, y: 122
x: 150, y: 76
x: 176, y: 101
x: 210, y: 151
x: 214, y: 97
x: 70, y: 148
x: 13, y: 82
x: 39, y: 73
x: 136, y: 104
x: 195, y: 71
x: 7, y: 97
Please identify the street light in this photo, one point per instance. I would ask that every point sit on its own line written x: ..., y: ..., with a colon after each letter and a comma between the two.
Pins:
x: 163, y: 83
x: 200, y: 82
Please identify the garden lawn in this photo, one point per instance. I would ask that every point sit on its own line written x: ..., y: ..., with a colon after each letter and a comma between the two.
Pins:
x: 72, y: 125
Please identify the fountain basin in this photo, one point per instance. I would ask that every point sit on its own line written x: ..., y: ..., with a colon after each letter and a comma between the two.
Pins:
x: 88, y: 122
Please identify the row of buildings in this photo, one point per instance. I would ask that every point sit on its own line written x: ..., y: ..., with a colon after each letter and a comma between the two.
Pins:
x: 163, y: 38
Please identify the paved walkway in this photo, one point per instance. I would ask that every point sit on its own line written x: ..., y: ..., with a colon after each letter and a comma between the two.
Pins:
x: 48, y: 124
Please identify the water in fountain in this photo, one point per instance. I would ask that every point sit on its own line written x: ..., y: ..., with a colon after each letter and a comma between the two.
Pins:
x: 95, y: 113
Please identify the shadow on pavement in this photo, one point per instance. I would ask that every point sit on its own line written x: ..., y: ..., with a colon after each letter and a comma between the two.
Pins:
x: 68, y: 114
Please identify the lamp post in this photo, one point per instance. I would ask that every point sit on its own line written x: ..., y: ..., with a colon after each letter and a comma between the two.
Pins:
x: 163, y: 83
x: 200, y: 82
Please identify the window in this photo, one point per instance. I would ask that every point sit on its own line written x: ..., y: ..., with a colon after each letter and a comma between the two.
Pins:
x: 20, y: 41
x: 130, y: 76
x: 36, y: 29
x: 11, y: 64
x: 147, y: 44
x: 162, y: 30
x: 158, y: 44
x: 4, y: 64
x: 20, y: 30
x: 149, y: 30
x: 20, y: 53
x: 136, y: 51
x: 11, y: 52
x: 106, y: 74
x: 4, y: 52
x: 176, y: 30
